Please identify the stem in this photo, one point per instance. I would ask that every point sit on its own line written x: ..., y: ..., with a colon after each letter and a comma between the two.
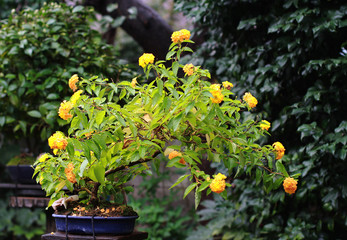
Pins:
x: 94, y: 193
x: 108, y: 172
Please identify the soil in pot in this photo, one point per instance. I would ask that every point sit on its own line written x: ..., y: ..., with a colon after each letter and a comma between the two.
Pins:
x: 104, y: 209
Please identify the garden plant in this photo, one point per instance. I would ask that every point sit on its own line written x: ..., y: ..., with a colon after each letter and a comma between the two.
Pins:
x: 117, y: 128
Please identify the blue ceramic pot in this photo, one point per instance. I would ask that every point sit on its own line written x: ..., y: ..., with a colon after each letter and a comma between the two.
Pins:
x: 102, y: 225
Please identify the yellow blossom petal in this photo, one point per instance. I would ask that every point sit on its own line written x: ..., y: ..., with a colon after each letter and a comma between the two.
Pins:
x: 250, y: 100
x: 265, y: 125
x: 290, y: 185
x: 72, y: 82
x: 145, y: 59
x: 180, y: 36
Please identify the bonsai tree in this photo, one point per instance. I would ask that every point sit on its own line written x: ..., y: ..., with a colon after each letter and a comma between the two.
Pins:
x: 116, y: 128
x: 40, y: 50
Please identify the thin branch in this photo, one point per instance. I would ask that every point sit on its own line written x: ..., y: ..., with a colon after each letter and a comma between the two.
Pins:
x: 120, y: 168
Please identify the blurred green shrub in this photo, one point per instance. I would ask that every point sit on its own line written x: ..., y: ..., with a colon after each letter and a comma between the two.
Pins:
x: 293, y: 53
x: 40, y: 50
x: 161, y: 216
x: 21, y: 223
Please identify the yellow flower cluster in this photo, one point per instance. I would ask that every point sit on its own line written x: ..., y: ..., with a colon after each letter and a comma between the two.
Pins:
x: 64, y: 110
x: 69, y: 173
x: 289, y: 185
x: 72, y: 82
x: 250, y: 100
x: 74, y: 98
x: 180, y: 36
x: 174, y: 154
x: 227, y: 85
x: 279, y: 150
x: 189, y: 69
x: 57, y: 141
x: 218, y: 183
x: 216, y: 93
x: 145, y: 59
x: 265, y: 125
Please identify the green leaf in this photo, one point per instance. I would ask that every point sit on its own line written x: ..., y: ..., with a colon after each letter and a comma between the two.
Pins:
x: 281, y: 168
x: 179, y: 180
x: 100, y: 117
x: 99, y: 172
x: 83, y: 167
x: 35, y: 114
x: 70, y: 149
x: 203, y: 186
x: 2, y: 120
x: 189, y: 189
x: 224, y: 194
x: 197, y: 198
x: 142, y: 151
x: 258, y: 174
x: 122, y: 93
x: 174, y: 122
x: 77, y: 9
x: 169, y: 55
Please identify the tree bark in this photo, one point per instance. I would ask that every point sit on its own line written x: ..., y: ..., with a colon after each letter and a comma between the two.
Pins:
x: 148, y: 28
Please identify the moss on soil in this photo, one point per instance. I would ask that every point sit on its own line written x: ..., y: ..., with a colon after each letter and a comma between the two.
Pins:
x: 23, y: 159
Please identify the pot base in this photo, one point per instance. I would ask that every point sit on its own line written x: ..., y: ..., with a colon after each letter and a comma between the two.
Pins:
x: 62, y: 236
x: 99, y: 225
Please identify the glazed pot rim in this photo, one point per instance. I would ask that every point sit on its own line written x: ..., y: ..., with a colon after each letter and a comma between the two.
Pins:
x: 95, y: 217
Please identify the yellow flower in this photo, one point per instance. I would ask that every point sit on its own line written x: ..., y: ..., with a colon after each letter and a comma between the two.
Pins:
x: 217, y: 96
x: 145, y: 59
x: 189, y: 69
x: 180, y: 36
x: 57, y: 141
x: 74, y: 98
x: 265, y: 125
x: 289, y: 185
x: 43, y: 157
x: 215, y: 87
x: 64, y: 110
x: 133, y: 82
x: 72, y: 82
x: 220, y: 177
x: 279, y: 150
x: 69, y: 173
x: 227, y: 85
x: 218, y: 183
x: 250, y: 100
x: 174, y: 154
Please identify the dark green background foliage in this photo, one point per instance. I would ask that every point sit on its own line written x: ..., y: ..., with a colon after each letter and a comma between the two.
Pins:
x: 291, y: 56
x: 40, y: 50
x: 20, y: 223
x: 6, y: 6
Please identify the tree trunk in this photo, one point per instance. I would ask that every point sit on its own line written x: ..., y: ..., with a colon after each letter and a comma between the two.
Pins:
x: 148, y: 29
